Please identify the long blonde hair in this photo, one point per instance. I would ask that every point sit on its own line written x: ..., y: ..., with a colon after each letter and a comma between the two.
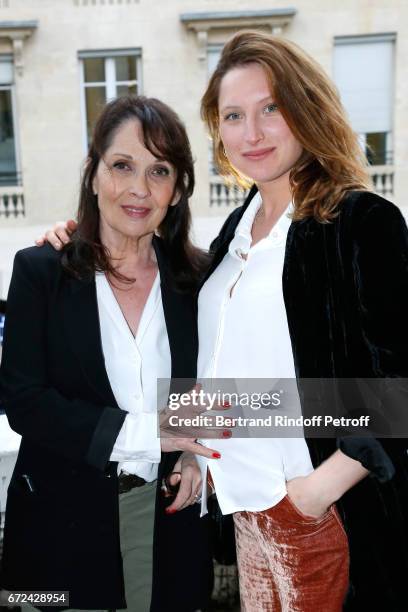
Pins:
x: 332, y: 162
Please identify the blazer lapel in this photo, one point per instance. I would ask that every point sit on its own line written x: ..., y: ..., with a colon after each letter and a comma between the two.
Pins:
x: 81, y: 322
x: 226, y: 235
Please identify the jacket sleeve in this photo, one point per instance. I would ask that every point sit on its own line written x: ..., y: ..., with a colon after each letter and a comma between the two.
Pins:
x: 78, y: 430
x: 380, y: 264
x: 381, y: 277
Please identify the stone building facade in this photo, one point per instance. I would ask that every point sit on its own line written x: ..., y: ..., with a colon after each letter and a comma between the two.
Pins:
x: 60, y: 60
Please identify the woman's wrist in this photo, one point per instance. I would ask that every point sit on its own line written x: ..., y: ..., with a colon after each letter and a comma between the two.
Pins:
x: 335, y: 476
x: 324, y: 488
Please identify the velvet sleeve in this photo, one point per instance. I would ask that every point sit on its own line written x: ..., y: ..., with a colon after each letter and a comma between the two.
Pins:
x: 380, y: 267
x: 381, y: 277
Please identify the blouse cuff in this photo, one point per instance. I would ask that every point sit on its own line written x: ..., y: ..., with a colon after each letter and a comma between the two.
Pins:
x: 138, y: 439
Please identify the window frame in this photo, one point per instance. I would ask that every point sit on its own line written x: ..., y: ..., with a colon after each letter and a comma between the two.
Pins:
x: 12, y: 88
x: 110, y: 84
x: 388, y: 37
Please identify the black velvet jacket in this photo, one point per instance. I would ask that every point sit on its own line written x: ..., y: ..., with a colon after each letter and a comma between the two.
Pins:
x: 345, y: 286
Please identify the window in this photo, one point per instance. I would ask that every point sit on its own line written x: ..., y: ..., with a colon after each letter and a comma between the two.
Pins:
x: 220, y: 194
x: 363, y: 71
x: 106, y: 75
x: 9, y: 174
x: 213, y: 56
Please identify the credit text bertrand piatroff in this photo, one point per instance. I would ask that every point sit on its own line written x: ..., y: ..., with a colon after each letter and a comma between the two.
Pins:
x: 203, y: 420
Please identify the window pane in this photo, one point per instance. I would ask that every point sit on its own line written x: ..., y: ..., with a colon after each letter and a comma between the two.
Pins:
x: 125, y: 68
x: 213, y: 55
x: 124, y: 90
x: 95, y: 98
x: 8, y: 166
x: 376, y: 145
x: 94, y: 70
x: 6, y: 72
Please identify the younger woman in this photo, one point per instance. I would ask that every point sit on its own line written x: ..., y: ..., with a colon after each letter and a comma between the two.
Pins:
x: 309, y: 279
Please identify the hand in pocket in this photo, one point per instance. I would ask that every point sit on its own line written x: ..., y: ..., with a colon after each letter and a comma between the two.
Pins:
x: 306, y: 497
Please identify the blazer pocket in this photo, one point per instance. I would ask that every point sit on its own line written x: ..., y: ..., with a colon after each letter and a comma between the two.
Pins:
x: 23, y: 484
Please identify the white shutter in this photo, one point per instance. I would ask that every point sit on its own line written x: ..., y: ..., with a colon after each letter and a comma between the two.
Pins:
x: 363, y: 72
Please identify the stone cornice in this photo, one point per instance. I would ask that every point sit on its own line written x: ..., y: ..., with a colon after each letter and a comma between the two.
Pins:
x: 17, y: 32
x: 203, y: 22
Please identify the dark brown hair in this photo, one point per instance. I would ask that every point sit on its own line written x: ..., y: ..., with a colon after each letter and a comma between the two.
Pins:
x: 166, y: 138
x: 332, y: 162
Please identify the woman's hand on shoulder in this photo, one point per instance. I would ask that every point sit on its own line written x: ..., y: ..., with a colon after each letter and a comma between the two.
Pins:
x: 59, y: 235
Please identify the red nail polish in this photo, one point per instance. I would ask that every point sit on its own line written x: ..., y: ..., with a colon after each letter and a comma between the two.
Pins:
x: 226, y: 434
x: 216, y: 455
x: 170, y: 511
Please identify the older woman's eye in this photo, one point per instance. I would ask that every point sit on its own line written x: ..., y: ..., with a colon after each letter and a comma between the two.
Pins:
x: 271, y: 108
x: 121, y: 166
x: 161, y: 171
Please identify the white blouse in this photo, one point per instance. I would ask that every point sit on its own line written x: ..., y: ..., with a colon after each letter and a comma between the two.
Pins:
x: 243, y: 333
x: 133, y: 365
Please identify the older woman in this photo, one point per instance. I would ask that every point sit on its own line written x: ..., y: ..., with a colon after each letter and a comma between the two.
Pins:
x: 88, y: 333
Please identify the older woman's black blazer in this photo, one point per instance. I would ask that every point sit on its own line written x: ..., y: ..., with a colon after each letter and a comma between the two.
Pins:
x: 345, y: 286
x: 62, y: 523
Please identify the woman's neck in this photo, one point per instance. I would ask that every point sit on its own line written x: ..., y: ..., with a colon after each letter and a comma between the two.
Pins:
x: 128, y: 253
x: 276, y: 196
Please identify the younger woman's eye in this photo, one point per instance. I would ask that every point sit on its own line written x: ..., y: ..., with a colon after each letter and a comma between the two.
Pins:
x: 271, y: 108
x: 232, y: 116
